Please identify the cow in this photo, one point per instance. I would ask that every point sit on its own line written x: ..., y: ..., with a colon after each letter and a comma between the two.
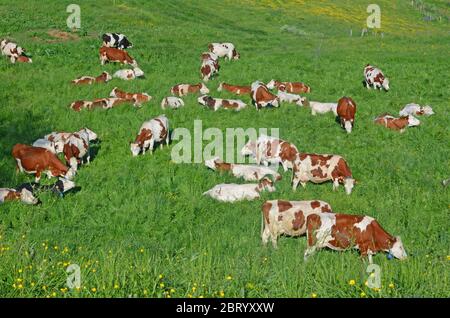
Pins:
x: 375, y: 78
x: 152, y: 131
x: 211, y: 57
x: 289, y: 87
x: 261, y: 97
x: 58, y: 137
x: 102, y: 78
x: 271, y: 150
x: 216, y: 103
x: 237, y: 192
x: 128, y: 75
x: 394, y: 123
x: 322, y: 108
x: 137, y: 98
x: 184, y: 89
x: 110, y: 54
x: 49, y: 145
x: 11, y: 50
x: 226, y: 50
x: 116, y: 40
x: 415, y: 109
x: 282, y: 217
x: 341, y: 232
x: 208, y: 69
x: 24, y: 195
x: 24, y: 59
x: 247, y: 172
x: 172, y: 102
x: 319, y: 168
x: 76, y: 148
x: 346, y: 109
x: 292, y: 98
x: 60, y: 187
x: 235, y: 89
x: 35, y: 160
x: 81, y: 104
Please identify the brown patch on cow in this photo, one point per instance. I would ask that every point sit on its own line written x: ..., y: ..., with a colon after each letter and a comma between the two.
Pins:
x: 111, y: 54
x: 379, y: 78
x: 164, y: 131
x: 144, y: 135
x: 313, y: 223
x: 12, y: 195
x: 284, y: 205
x: 83, y: 80
x: 341, y: 171
x: 229, y: 105
x: 315, y: 204
x: 265, y: 210
x: 210, y: 47
x: 326, y: 208
x: 71, y: 151
x: 205, y: 70
x: 392, y: 122
x: 292, y: 87
x: 223, y: 166
x: 320, y: 160
x: 288, y: 152
x: 23, y: 59
x: 237, y: 89
x: 101, y: 78
x: 262, y: 94
x: 298, y: 221
x: 318, y: 173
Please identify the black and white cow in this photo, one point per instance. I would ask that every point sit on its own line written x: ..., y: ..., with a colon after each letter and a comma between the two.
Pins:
x: 116, y: 40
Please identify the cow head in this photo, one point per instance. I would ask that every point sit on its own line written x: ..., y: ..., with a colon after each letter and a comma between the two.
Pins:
x: 107, y: 76
x: 91, y: 135
x: 386, y: 84
x: 211, y: 163
x: 271, y: 84
x: 427, y: 110
x: 303, y: 101
x: 203, y: 89
x: 348, y: 125
x: 249, y: 149
x: 63, y: 185
x: 413, y: 121
x: 135, y: 149
x: 266, y: 184
x: 125, y: 44
x: 26, y: 196
x: 397, y: 250
x: 236, y: 55
x: 138, y: 72
x: 349, y: 183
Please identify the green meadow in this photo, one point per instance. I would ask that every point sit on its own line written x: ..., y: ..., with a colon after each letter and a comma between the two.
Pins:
x: 140, y: 227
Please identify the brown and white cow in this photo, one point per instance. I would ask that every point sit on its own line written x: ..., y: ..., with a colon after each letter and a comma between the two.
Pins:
x: 24, y: 195
x: 374, y: 77
x: 282, y: 217
x: 394, y: 123
x: 154, y: 130
x: 172, y: 102
x: 76, y: 148
x: 226, y: 50
x: 24, y: 59
x: 231, y: 192
x: 289, y: 87
x: 321, y: 168
x: 102, y: 78
x: 35, y: 160
x: 417, y: 110
x: 346, y: 110
x: 105, y: 103
x: 261, y: 97
x: 343, y: 231
x: 235, y: 89
x: 137, y: 98
x: 184, y: 89
x: 208, y: 69
x: 59, y: 138
x: 110, y: 54
x: 11, y: 50
x: 216, y: 103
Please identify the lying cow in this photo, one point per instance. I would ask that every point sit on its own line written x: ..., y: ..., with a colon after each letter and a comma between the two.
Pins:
x: 238, y: 192
x: 292, y: 98
x: 289, y: 87
x: 184, y: 89
x: 346, y: 110
x: 11, y: 50
x: 321, y: 168
x: 261, y: 97
x: 282, y: 217
x: 322, y: 108
x: 374, y: 77
x: 343, y: 231
x: 209, y: 56
x: 103, y: 78
x: 151, y: 132
x: 104, y: 103
x: 59, y: 188
x: 394, y: 123
x: 116, y: 40
x: 137, y: 98
x: 24, y: 195
x: 247, y: 172
x: 226, y: 50
x: 235, y: 89
x: 216, y: 103
x: 417, y: 110
x: 128, y: 75
x: 172, y: 102
x: 208, y: 69
x: 58, y: 137
x: 110, y: 54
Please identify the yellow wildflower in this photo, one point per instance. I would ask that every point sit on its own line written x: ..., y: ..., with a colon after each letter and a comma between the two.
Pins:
x: 352, y: 282
x: 314, y: 295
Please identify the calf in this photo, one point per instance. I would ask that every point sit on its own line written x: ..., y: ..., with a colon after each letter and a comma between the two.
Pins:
x: 289, y: 87
x: 292, y: 98
x: 49, y: 145
x: 154, y: 130
x: 238, y: 192
x: 280, y: 217
x: 208, y: 69
x: 109, y: 54
x: 216, y: 103
x: 35, y: 160
x: 184, y: 89
x: 235, y: 89
x: 415, y: 109
x: 23, y: 195
x: 322, y: 108
x: 103, y: 78
x: 261, y: 97
x: 374, y: 77
x: 247, y: 172
x: 343, y: 231
x: 226, y: 50
x: 172, y: 102
x: 137, y: 98
x: 346, y: 109
x: 394, y: 123
x: 128, y: 75
x: 321, y: 168
x: 116, y: 40
x: 11, y: 50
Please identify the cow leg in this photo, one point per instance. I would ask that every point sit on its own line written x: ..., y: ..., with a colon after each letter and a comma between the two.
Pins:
x: 273, y: 238
x: 370, y: 258
x: 37, y: 177
x: 309, y: 251
x: 265, y: 235
x: 335, y: 184
x: 313, y: 112
x: 303, y: 184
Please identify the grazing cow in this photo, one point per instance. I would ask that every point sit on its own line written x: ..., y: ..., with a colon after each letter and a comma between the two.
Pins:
x: 281, y: 217
x: 47, y: 144
x: 322, y: 108
x: 415, y: 109
x: 76, y: 148
x: 238, y: 192
x: 208, y: 69
x: 346, y: 110
x: 110, y: 54
x: 60, y: 187
x: 216, y: 103
x: 226, y: 50
x: 292, y: 98
x: 11, y: 50
x: 61, y: 137
x: 172, y: 102
x: 128, y: 75
x: 340, y: 232
x: 24, y: 59
x: 261, y: 96
x: 24, y: 195
x: 321, y: 168
x: 35, y: 160
x: 103, y: 78
x: 374, y: 77
x: 152, y: 131
x: 184, y: 89
x: 394, y: 123
x: 116, y: 40
x: 247, y: 172
x: 235, y: 89
x: 137, y: 98
x: 289, y: 87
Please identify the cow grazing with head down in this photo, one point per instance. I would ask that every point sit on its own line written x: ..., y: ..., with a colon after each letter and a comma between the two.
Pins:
x: 261, y: 97
x: 226, y: 50
x: 321, y: 168
x: 137, y: 98
x: 172, y: 102
x: 59, y: 138
x: 394, y: 123
x: 184, y: 89
x: 343, y: 231
x: 281, y: 217
x: 208, y: 69
x: 116, y: 40
x: 76, y: 148
x: 375, y: 78
x: 11, y: 50
x: 102, y: 78
x: 216, y: 103
x: 346, y: 110
x: 416, y: 110
x: 151, y: 132
x: 235, y: 89
x: 24, y: 195
x: 109, y: 54
x: 289, y: 87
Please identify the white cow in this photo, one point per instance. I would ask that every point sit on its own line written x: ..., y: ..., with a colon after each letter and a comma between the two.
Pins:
x: 415, y: 109
x: 49, y: 145
x: 224, y: 50
x: 322, y: 108
x: 291, y: 98
x: 172, y: 102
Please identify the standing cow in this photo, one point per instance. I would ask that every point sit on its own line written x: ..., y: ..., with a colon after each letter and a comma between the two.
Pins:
x: 375, y: 78
x: 154, y: 130
x: 346, y: 110
x: 226, y: 50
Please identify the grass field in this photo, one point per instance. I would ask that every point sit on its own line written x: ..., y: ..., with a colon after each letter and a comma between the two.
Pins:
x: 140, y: 226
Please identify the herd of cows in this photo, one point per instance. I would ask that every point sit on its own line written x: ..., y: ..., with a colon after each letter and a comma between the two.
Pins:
x: 315, y: 218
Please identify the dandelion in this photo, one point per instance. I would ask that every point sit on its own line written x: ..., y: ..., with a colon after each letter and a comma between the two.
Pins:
x: 161, y: 276
x: 116, y: 286
x: 352, y: 282
x: 194, y: 289
x: 222, y: 294
x: 189, y: 296
x: 376, y: 289
x: 14, y: 286
x: 363, y: 294
x: 161, y: 285
x: 19, y: 280
x: 314, y: 295
x: 63, y: 290
x: 94, y: 290
x: 145, y: 292
x: 229, y: 277
x: 391, y: 285
x: 24, y: 236
x: 94, y: 270
x: 55, y: 247
x: 32, y: 284
x: 250, y: 286
x: 141, y: 250
x: 366, y: 283
x: 44, y: 287
x: 201, y: 296
x: 172, y: 290
x: 20, y: 270
x: 448, y: 257
x: 54, y: 294
x: 20, y: 286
